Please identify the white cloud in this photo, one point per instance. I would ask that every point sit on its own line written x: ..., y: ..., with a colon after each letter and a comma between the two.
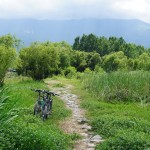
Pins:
x: 138, y: 9
x: 74, y: 9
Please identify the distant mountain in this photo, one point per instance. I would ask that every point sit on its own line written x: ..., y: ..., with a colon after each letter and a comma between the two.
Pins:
x: 30, y: 30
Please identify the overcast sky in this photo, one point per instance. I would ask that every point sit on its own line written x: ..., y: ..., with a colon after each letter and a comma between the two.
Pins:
x: 76, y: 9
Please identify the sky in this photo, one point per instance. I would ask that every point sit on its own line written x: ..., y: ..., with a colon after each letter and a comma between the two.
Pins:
x: 75, y: 9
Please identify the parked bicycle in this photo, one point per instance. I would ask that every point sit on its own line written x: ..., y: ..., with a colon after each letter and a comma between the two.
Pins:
x: 44, y: 103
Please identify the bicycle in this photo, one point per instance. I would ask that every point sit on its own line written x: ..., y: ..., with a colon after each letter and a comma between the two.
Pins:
x: 47, y: 109
x: 44, y: 105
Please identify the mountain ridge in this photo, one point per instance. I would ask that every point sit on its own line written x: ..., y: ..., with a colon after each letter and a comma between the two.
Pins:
x: 31, y: 30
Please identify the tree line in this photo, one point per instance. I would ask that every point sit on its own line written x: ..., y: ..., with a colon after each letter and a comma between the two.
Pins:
x: 105, y: 46
x: 41, y: 60
x: 88, y: 53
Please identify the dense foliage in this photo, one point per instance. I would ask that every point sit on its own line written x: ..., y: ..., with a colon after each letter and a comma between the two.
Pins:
x: 10, y: 41
x: 105, y: 46
x: 40, y: 60
x: 7, y: 54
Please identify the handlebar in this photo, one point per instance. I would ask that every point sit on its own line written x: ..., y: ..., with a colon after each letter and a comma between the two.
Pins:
x: 37, y: 90
x: 44, y: 91
x: 51, y: 93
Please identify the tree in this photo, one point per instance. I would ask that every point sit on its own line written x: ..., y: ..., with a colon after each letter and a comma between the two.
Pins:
x: 38, y: 61
x: 130, y: 50
x: 91, y: 43
x: 87, y: 43
x: 114, y: 61
x: 83, y: 43
x: 76, y: 45
x: 64, y: 60
x: 94, y: 60
x: 143, y: 62
x: 116, y: 44
x: 103, y: 46
x: 7, y: 56
x: 79, y: 60
x: 10, y: 41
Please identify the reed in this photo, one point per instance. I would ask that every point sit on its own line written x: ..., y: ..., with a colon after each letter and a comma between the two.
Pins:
x: 120, y: 86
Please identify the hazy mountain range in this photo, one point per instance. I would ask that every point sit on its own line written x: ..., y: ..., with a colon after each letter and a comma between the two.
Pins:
x: 30, y: 30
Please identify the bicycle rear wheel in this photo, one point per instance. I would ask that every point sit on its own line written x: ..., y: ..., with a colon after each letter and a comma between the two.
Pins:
x: 36, y: 109
x: 44, y: 113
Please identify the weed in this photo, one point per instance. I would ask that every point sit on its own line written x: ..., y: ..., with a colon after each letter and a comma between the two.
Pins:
x: 120, y: 86
x: 28, y: 131
x: 123, y: 124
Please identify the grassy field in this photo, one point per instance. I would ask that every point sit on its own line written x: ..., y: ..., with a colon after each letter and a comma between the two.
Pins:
x: 120, y: 86
x: 124, y: 124
x: 20, y: 129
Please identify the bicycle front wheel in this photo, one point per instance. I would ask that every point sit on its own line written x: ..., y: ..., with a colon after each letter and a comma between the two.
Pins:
x: 44, y: 113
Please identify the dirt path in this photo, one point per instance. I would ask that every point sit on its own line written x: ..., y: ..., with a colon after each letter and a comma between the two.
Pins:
x: 77, y: 123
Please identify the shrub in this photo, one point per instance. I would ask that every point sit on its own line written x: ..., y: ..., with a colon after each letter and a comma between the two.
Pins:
x: 87, y: 70
x: 70, y: 72
x: 108, y: 126
x: 126, y: 140
x: 25, y: 137
x: 98, y: 69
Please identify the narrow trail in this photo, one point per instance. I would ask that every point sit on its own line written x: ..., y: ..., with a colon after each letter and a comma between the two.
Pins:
x: 77, y: 123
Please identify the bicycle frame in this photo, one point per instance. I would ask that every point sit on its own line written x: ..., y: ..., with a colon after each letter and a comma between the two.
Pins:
x: 44, y: 105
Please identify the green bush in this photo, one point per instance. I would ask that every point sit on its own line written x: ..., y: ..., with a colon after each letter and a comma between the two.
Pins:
x: 98, y: 69
x: 25, y: 137
x: 87, y: 70
x: 108, y: 126
x: 126, y: 140
x: 70, y: 72
x: 122, y: 132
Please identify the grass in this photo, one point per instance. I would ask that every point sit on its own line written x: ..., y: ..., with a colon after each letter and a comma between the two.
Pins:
x: 124, y: 125
x: 27, y: 131
x: 120, y: 86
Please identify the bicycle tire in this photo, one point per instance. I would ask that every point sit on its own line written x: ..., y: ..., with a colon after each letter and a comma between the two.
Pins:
x: 44, y: 113
x: 35, y: 109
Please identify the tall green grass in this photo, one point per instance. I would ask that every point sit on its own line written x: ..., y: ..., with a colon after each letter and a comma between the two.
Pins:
x: 27, y: 131
x: 120, y: 86
x: 123, y: 124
